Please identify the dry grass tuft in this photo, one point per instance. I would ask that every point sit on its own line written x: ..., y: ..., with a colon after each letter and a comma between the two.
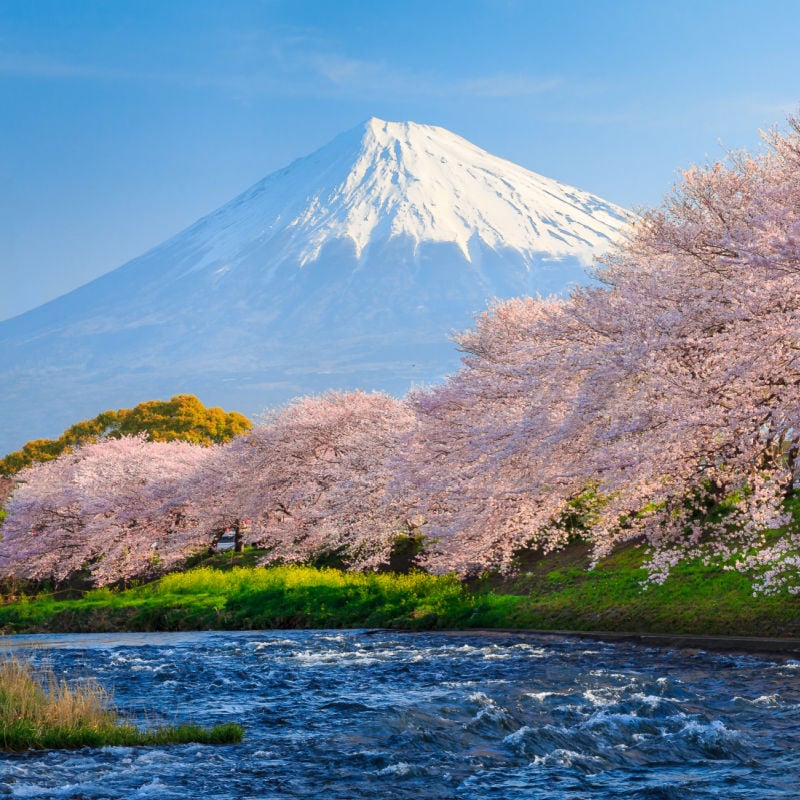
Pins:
x: 39, y: 699
x: 38, y: 711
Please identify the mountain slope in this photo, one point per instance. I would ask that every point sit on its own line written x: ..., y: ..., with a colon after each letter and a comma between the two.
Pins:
x: 347, y: 268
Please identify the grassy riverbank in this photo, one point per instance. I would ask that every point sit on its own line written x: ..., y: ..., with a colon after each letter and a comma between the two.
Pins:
x: 553, y: 593
x: 38, y: 711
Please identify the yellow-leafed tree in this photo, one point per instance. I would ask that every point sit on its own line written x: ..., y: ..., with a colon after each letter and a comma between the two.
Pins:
x: 183, y: 417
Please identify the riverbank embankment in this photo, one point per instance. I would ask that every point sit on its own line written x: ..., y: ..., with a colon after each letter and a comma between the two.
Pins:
x: 558, y: 593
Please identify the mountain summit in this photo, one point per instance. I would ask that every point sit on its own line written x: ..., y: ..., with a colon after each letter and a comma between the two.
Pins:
x: 346, y: 269
x: 389, y: 179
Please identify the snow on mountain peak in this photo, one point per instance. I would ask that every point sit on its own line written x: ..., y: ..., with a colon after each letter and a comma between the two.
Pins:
x: 382, y: 180
x: 429, y: 184
x: 434, y: 186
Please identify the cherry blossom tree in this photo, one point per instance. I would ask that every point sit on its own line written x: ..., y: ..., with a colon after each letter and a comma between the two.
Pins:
x: 311, y: 479
x: 109, y: 511
x: 709, y: 289
x: 669, y: 393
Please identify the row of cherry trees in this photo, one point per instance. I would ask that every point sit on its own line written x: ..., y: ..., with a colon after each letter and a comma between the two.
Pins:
x: 661, y: 404
x: 311, y: 479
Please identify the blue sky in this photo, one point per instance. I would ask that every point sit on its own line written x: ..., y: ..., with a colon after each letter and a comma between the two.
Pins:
x: 121, y: 122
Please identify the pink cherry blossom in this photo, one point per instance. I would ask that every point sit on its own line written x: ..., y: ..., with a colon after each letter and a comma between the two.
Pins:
x: 114, y: 509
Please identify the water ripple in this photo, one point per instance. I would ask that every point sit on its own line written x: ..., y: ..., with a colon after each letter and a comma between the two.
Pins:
x: 344, y: 715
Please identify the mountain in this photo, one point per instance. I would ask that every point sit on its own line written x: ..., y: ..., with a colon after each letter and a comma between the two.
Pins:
x: 346, y: 269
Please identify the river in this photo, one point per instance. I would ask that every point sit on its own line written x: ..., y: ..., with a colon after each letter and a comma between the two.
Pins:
x: 361, y: 714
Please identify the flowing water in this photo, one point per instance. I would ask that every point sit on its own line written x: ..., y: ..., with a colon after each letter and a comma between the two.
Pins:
x: 332, y: 714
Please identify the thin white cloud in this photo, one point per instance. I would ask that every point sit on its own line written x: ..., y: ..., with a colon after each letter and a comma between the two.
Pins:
x: 36, y: 65
x: 508, y: 86
x: 344, y: 71
x: 778, y: 110
x: 359, y: 76
x: 292, y: 63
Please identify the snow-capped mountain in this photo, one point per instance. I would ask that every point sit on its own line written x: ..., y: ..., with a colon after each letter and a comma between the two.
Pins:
x: 346, y: 269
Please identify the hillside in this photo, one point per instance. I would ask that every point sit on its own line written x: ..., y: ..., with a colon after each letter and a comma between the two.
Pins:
x: 554, y: 593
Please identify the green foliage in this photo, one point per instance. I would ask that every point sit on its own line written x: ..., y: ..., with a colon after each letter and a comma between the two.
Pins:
x: 581, y: 512
x: 254, y: 597
x: 558, y: 592
x: 182, y: 417
x: 307, y: 597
